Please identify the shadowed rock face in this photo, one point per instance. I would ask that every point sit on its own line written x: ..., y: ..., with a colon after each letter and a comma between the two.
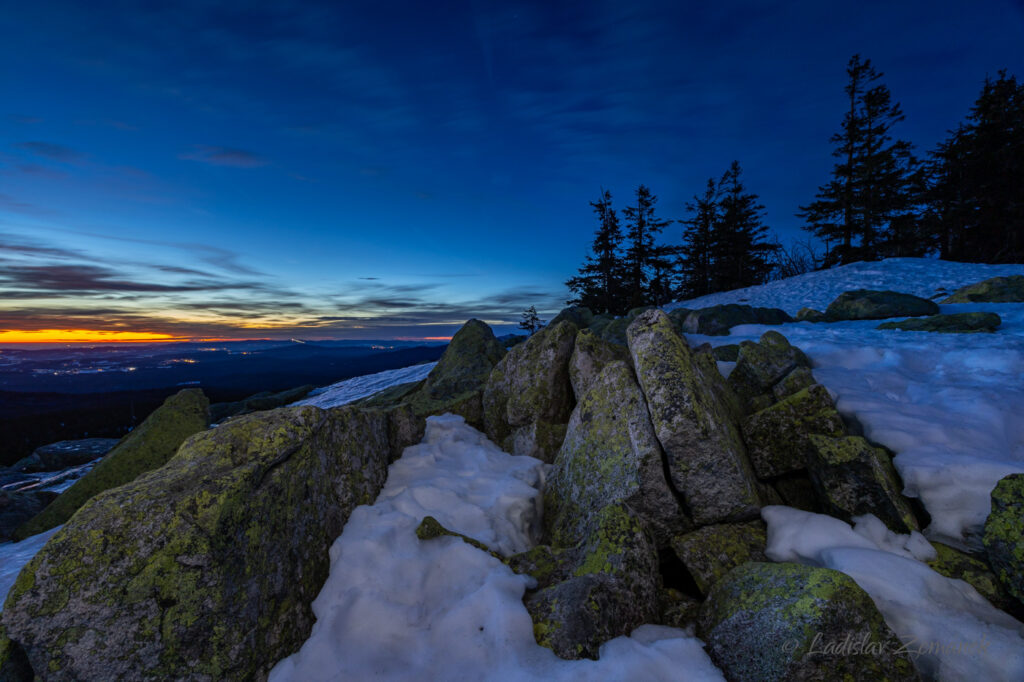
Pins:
x: 995, y: 290
x: 694, y: 415
x: 147, y: 447
x: 718, y: 320
x: 1004, y: 534
x: 867, y: 304
x: 958, y: 323
x: 206, y: 567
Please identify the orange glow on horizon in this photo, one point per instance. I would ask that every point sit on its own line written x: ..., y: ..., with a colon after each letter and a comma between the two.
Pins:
x: 80, y: 336
x: 437, y: 338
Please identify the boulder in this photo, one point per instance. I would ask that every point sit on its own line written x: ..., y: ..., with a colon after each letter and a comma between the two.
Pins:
x: 852, y: 478
x: 614, y: 331
x: 776, y: 622
x: 147, y: 447
x: 762, y: 365
x: 797, y: 491
x: 579, y: 315
x: 64, y: 454
x: 719, y: 319
x: 957, y: 323
x: 590, y: 355
x: 694, y: 415
x: 18, y: 507
x: 206, y: 567
x: 995, y: 290
x: 867, y: 304
x: 727, y: 353
x: 958, y: 565
x: 777, y: 437
x: 1004, y: 534
x: 14, y: 665
x: 678, y: 609
x: 678, y: 317
x: 260, y: 401
x: 810, y: 315
x: 712, y: 551
x: 611, y: 586
x: 528, y: 397
x: 611, y: 455
x: 797, y: 380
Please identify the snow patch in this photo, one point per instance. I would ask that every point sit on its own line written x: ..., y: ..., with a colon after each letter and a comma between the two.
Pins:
x: 14, y: 556
x: 350, y: 390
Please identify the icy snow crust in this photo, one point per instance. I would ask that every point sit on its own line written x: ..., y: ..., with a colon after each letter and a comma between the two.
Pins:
x: 350, y: 390
x: 14, y: 556
x: 949, y: 630
x: 398, y: 608
x: 949, y: 405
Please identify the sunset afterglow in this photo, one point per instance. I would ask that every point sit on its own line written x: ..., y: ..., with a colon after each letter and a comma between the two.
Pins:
x: 79, y: 336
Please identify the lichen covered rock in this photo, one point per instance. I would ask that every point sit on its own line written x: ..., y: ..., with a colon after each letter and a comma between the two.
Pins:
x: 777, y: 436
x: 18, y: 507
x: 528, y: 397
x: 611, y: 586
x: 579, y: 315
x: 719, y: 319
x: 868, y: 304
x: 953, y: 563
x: 712, y: 551
x: 65, y: 453
x: 852, y: 478
x: 995, y: 290
x: 590, y: 355
x: 611, y: 455
x: 206, y: 567
x: 147, y: 447
x: 774, y: 622
x: 1004, y: 534
x: 690, y: 408
x: 760, y: 366
x: 957, y: 323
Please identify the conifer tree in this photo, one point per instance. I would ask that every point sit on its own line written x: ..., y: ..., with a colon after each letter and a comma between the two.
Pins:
x: 739, y: 252
x: 600, y: 282
x: 695, y: 265
x: 530, y: 321
x: 643, y: 257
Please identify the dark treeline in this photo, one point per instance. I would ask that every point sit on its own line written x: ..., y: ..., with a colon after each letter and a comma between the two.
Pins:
x: 963, y: 201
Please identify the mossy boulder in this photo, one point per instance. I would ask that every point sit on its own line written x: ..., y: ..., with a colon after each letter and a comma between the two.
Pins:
x: 14, y: 665
x: 610, y: 586
x: 810, y: 315
x: 694, y: 416
x: 147, y: 447
x: 730, y: 352
x: 776, y: 622
x: 528, y: 397
x: 613, y: 331
x: 1004, y: 534
x: 590, y: 355
x: 18, y: 507
x: 995, y: 290
x: 579, y: 315
x: 206, y: 567
x: 953, y: 563
x: 261, y: 401
x: 797, y: 380
x: 712, y: 551
x: 611, y: 455
x: 956, y: 323
x: 761, y: 365
x: 777, y: 437
x: 797, y: 491
x: 678, y: 317
x: 852, y: 477
x: 719, y: 319
x: 869, y: 304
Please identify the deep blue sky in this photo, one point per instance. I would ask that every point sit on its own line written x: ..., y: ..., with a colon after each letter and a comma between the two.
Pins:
x: 379, y: 169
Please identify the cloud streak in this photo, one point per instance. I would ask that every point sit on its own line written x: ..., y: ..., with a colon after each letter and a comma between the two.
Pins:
x: 224, y: 156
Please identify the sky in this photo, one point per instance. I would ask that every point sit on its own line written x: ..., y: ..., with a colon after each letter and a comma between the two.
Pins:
x: 202, y: 169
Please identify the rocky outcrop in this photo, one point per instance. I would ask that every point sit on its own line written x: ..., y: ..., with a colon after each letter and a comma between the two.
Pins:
x: 995, y: 290
x: 206, y: 567
x: 953, y: 563
x: 255, y: 403
x: 852, y: 477
x: 528, y: 396
x: 718, y: 320
x: 579, y: 315
x: 773, y: 622
x: 1004, y: 534
x: 867, y: 304
x: 611, y: 455
x: 760, y: 366
x: 712, y: 551
x: 147, y: 447
x: 957, y: 323
x: 590, y: 355
x: 64, y: 454
x: 18, y: 507
x: 694, y: 417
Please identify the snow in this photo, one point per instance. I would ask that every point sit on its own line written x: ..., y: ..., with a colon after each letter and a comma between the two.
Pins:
x: 14, y: 555
x: 353, y: 389
x: 949, y: 405
x: 398, y: 608
x: 950, y: 631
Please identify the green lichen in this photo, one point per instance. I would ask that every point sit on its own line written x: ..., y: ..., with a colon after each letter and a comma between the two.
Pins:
x: 712, y: 551
x: 607, y: 545
x: 430, y: 528
x: 1004, y: 534
x: 995, y: 290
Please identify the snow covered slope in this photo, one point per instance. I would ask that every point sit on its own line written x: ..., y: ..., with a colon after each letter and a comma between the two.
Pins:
x: 949, y: 405
x: 919, y: 276
x: 353, y: 389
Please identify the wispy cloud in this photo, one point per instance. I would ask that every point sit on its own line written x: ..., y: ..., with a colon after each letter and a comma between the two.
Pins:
x: 50, y: 150
x: 224, y: 156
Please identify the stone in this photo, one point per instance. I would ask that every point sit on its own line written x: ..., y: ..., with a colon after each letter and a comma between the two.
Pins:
x: 694, y: 416
x: 18, y: 507
x: 730, y: 352
x: 611, y: 455
x: 64, y: 454
x: 678, y: 609
x: 852, y: 478
x: 579, y: 315
x: 614, y: 331
x: 590, y: 355
x: 612, y: 587
x: 777, y: 437
x: 761, y: 365
x: 147, y: 447
x: 957, y: 323
x: 14, y: 665
x: 712, y: 551
x: 810, y: 315
x: 868, y: 304
x: 678, y: 317
x: 1004, y: 534
x: 995, y: 290
x: 718, y: 320
x: 797, y: 380
x: 205, y: 568
x: 528, y: 397
x: 769, y: 622
x: 958, y: 565
x: 797, y: 491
